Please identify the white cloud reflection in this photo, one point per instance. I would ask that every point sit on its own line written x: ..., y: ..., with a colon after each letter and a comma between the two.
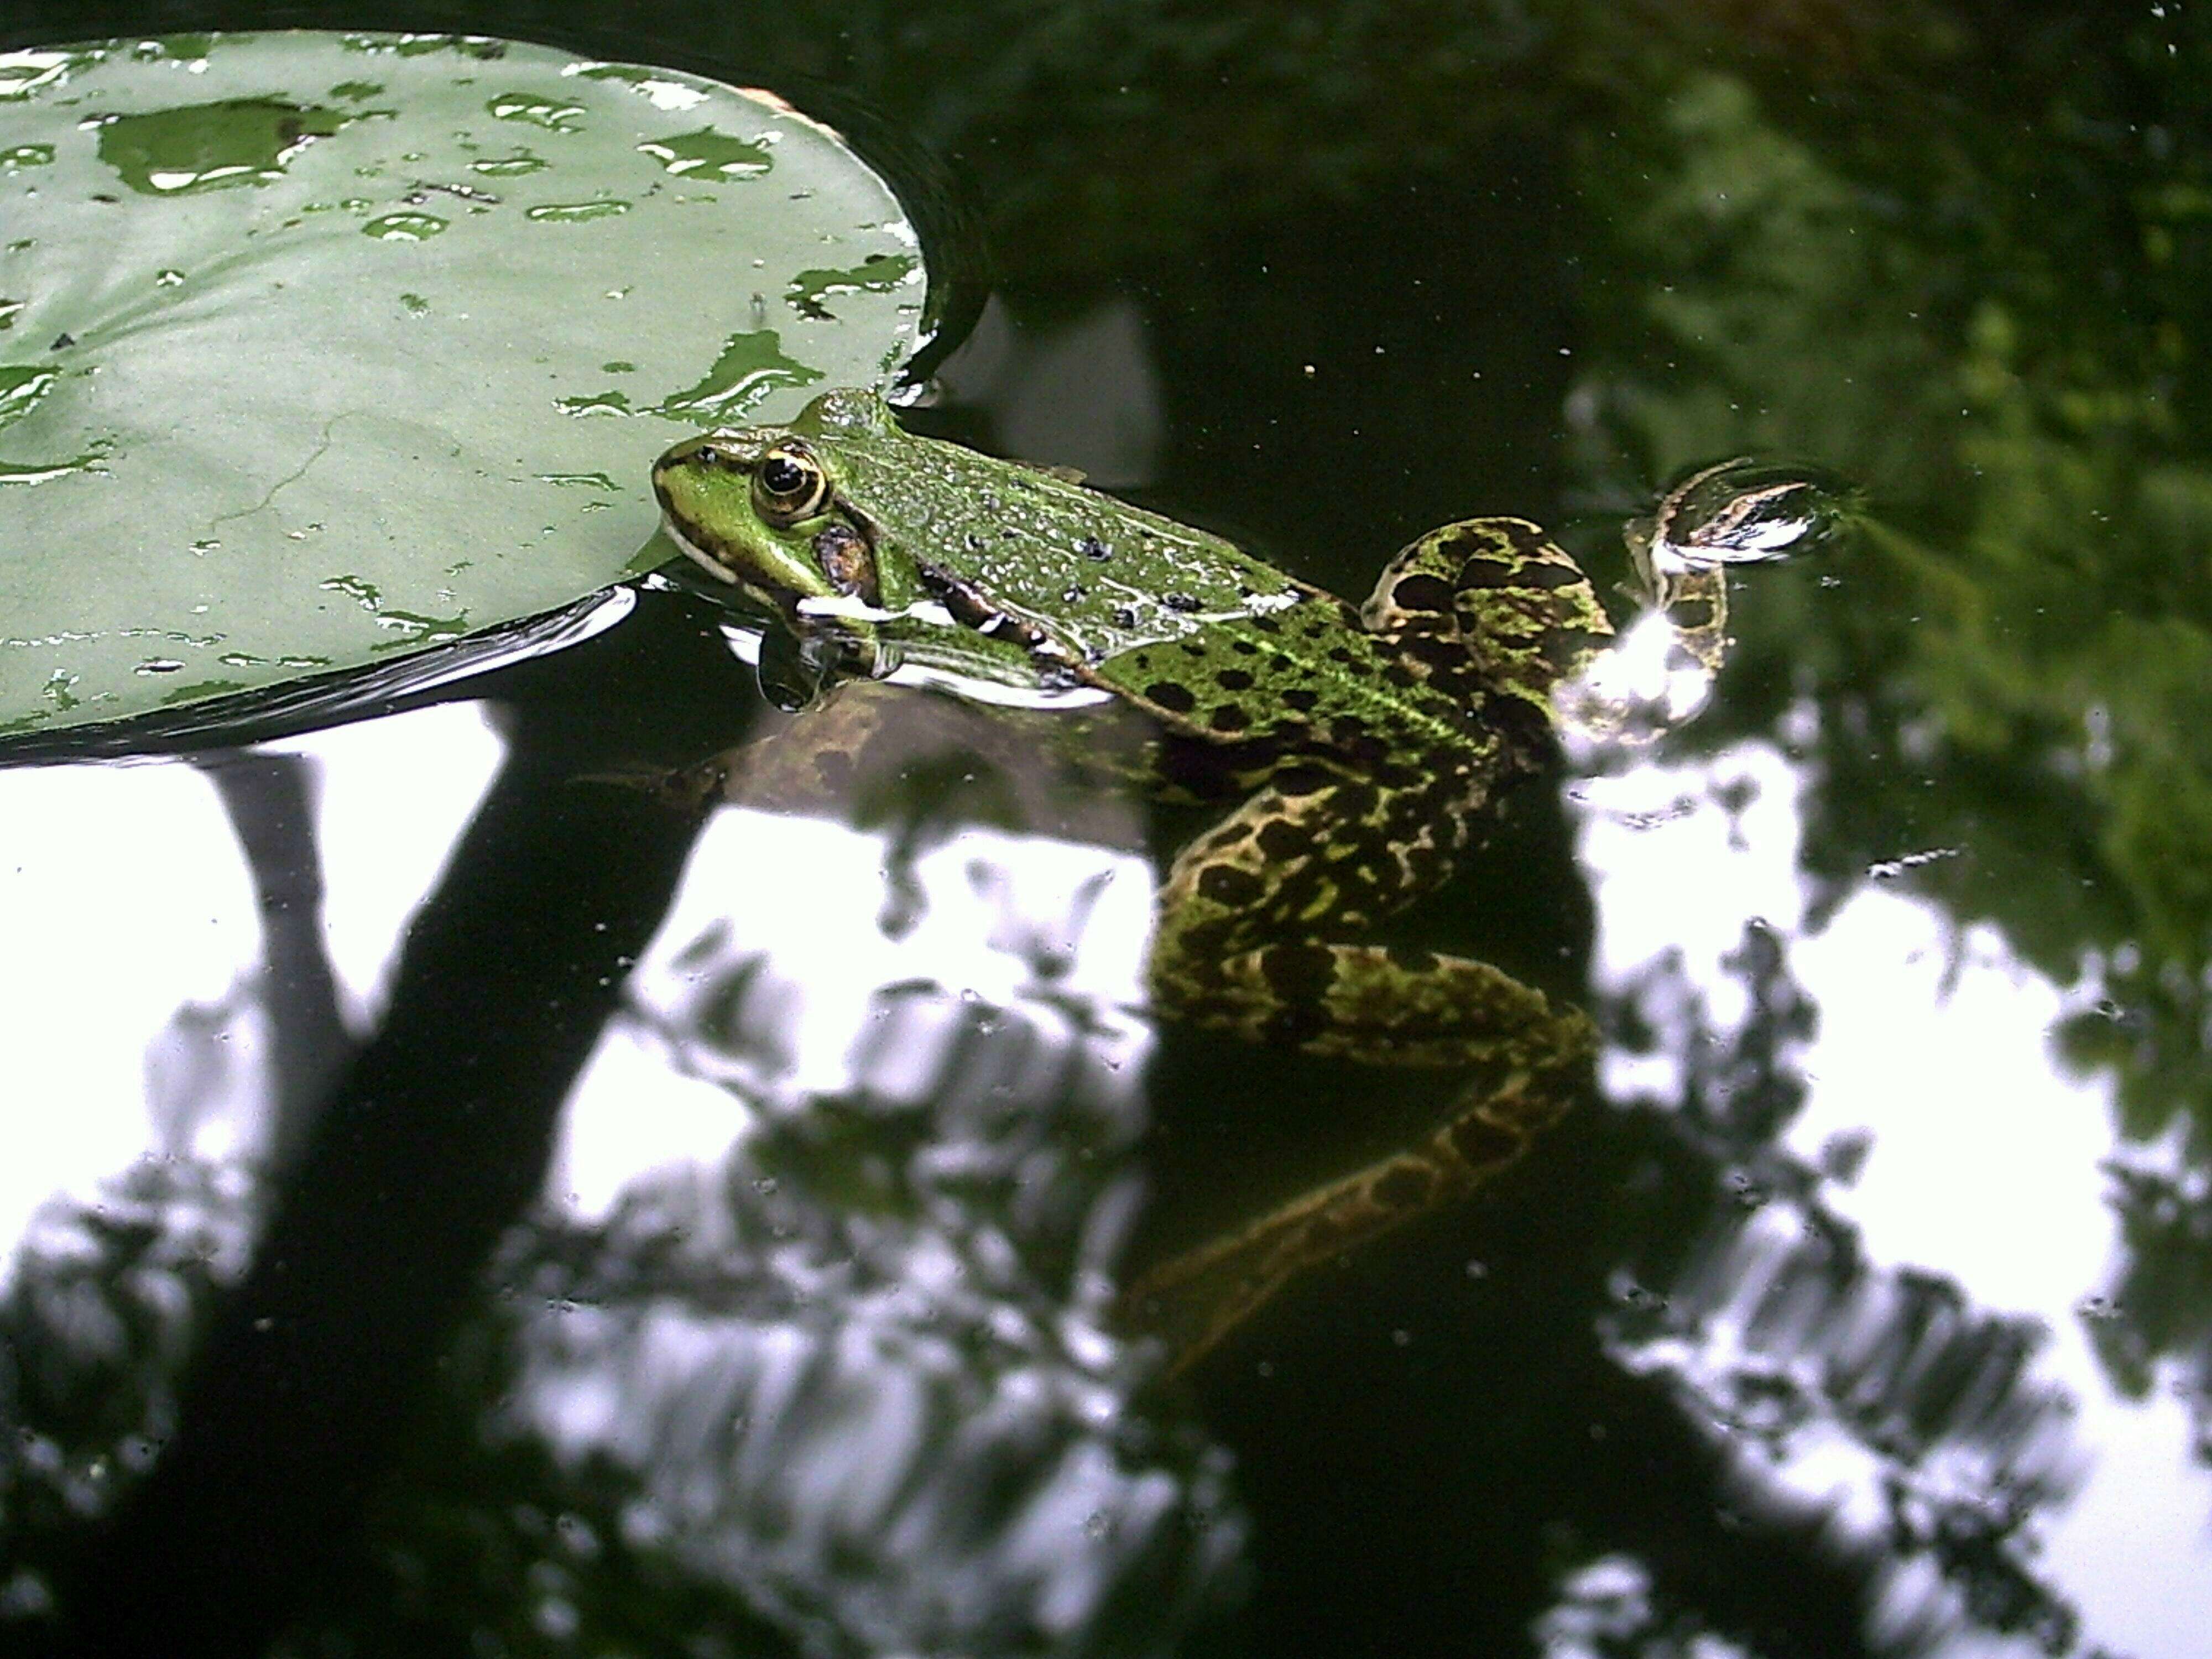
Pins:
x: 126, y: 899
x: 1984, y: 1158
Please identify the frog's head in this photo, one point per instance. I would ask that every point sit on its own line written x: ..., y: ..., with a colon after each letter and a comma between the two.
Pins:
x: 768, y: 509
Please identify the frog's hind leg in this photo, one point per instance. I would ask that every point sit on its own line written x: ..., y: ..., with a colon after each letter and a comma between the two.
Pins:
x: 1233, y: 945
x: 1193, y: 1300
x: 1214, y: 962
x: 1494, y: 599
x: 1228, y: 952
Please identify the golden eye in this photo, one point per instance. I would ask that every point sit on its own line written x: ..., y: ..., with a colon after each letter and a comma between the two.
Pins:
x: 790, y: 485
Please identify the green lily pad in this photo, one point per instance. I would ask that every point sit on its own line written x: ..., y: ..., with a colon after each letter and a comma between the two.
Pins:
x: 317, y: 349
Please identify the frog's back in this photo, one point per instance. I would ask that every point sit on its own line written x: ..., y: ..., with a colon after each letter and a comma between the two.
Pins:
x: 1085, y: 569
x: 1447, y: 671
x: 1222, y: 648
x: 1310, y: 678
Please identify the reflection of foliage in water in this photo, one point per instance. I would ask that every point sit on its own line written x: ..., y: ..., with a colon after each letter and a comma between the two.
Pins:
x: 1763, y: 1317
x: 855, y: 1381
x: 866, y: 1377
x: 2162, y: 1308
x: 853, y: 1385
x: 98, y: 1312
x: 2008, y: 333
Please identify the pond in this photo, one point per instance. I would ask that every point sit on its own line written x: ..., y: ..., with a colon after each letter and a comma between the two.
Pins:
x: 577, y: 1157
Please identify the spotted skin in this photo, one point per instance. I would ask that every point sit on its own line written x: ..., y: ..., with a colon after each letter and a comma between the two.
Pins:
x: 1468, y: 639
x: 1496, y: 590
x: 1439, y: 688
x: 1457, y: 651
x: 1357, y: 748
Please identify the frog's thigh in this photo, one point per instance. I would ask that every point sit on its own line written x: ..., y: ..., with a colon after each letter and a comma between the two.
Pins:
x: 1517, y: 603
x: 1233, y: 945
x: 1448, y: 574
x: 1365, y: 1002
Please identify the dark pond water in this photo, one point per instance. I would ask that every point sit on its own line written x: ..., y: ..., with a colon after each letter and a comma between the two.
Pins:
x: 459, y: 1200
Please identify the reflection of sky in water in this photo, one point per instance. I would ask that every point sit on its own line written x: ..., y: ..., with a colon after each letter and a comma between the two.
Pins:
x: 1985, y: 1161
x: 133, y: 931
x: 126, y: 896
x: 800, y: 899
x: 897, y: 1422
x: 892, y: 1422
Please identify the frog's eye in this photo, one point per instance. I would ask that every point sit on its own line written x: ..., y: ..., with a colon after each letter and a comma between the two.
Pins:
x: 789, y: 485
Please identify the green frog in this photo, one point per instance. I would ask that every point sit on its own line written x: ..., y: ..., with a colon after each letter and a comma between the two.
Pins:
x: 1355, y: 748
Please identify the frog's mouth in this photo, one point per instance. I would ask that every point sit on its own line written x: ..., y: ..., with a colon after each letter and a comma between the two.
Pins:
x: 671, y: 527
x: 844, y: 586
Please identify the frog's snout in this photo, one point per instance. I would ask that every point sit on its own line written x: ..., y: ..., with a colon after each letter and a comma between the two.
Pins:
x: 689, y: 476
x: 673, y: 460
x: 708, y: 451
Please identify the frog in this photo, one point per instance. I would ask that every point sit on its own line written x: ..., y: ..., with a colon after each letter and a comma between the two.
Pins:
x: 1350, y: 751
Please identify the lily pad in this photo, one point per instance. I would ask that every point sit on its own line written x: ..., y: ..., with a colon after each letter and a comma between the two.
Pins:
x: 317, y: 349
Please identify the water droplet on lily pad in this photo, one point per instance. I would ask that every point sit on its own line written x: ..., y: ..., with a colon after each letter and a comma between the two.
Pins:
x: 403, y: 227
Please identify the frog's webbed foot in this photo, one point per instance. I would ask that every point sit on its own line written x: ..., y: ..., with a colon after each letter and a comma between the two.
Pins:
x: 1662, y: 667
x: 1527, y: 622
x: 1193, y: 1300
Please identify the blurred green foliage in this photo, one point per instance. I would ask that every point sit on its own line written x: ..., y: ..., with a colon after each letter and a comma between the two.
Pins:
x: 1975, y: 277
